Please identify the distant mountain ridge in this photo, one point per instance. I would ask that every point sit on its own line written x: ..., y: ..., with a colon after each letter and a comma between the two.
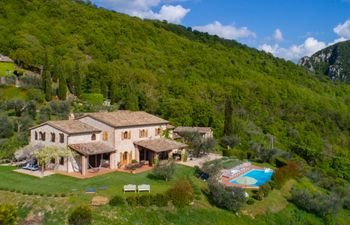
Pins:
x: 333, y: 61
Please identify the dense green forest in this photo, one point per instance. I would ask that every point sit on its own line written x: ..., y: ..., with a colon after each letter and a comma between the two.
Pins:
x: 181, y: 75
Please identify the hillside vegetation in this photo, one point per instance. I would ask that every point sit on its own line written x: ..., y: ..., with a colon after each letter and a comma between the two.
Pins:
x: 182, y: 76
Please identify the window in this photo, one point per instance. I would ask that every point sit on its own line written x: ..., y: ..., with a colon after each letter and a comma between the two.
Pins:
x: 158, y: 131
x: 36, y: 135
x: 62, y: 161
x: 42, y: 136
x: 105, y: 136
x: 93, y: 137
x: 143, y: 133
x: 53, y: 137
x: 61, y: 138
x: 126, y: 135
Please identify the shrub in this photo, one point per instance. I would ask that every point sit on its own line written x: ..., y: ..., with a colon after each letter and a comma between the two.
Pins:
x: 197, y: 171
x: 117, y: 201
x: 81, y: 215
x: 250, y: 201
x: 132, y: 200
x: 265, y: 189
x: 159, y: 200
x: 231, y: 198
x: 346, y: 203
x: 36, y: 95
x: 8, y: 214
x: 181, y: 194
x: 317, y: 203
x: 258, y: 196
x: 63, y: 195
x: 164, y: 170
x: 212, y: 168
x: 145, y: 200
x: 283, y: 174
x: 92, y: 98
x: 280, y: 162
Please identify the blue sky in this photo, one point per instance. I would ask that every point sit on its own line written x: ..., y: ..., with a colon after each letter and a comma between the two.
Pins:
x: 287, y: 28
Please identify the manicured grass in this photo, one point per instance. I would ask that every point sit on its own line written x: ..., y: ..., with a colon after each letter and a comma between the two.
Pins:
x: 9, y: 92
x: 274, y: 210
x: 57, y: 184
x: 6, y: 67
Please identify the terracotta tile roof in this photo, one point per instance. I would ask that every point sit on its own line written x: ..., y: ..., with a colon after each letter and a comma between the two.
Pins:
x: 124, y: 118
x: 160, y: 144
x: 70, y: 126
x: 201, y: 130
x: 92, y: 148
x: 170, y: 127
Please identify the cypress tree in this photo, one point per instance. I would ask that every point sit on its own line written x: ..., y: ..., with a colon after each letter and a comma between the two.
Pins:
x: 76, y: 80
x: 46, y: 79
x: 132, y: 101
x: 62, y: 85
x: 228, y: 126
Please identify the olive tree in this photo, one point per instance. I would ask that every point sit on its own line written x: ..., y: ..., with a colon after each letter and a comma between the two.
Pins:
x: 164, y: 170
x: 46, y: 154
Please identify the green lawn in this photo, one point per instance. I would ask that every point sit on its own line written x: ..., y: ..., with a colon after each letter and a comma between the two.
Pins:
x: 57, y: 184
x: 6, y: 69
x: 56, y: 209
x: 9, y: 92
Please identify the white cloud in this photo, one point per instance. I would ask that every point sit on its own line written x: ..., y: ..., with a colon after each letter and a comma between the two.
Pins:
x: 144, y: 9
x: 173, y: 14
x: 278, y: 36
x: 226, y: 31
x: 310, y: 45
x: 343, y: 30
x: 295, y: 52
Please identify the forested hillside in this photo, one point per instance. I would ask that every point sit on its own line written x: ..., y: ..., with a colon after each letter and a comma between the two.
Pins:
x: 181, y: 75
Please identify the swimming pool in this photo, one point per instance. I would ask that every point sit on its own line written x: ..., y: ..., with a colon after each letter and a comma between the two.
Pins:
x: 253, y: 177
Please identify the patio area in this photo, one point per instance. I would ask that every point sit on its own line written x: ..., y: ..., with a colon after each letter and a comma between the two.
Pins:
x: 35, y: 173
x: 89, y: 174
x: 200, y: 161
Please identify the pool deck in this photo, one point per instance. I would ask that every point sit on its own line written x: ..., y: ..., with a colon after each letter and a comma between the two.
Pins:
x: 226, y: 180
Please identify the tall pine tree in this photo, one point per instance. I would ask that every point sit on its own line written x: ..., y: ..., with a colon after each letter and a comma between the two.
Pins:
x: 228, y: 126
x: 62, y: 85
x: 76, y: 80
x: 46, y: 79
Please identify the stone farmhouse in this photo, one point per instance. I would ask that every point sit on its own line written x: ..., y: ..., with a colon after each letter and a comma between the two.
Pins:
x: 112, y: 138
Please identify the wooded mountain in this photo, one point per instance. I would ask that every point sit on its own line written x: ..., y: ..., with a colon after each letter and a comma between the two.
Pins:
x: 184, y: 76
x: 333, y: 61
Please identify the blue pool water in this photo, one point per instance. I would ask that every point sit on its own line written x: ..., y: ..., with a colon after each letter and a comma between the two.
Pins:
x: 260, y: 176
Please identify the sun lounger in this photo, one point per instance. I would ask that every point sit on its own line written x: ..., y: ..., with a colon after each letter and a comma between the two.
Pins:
x: 26, y: 167
x: 34, y: 168
x: 103, y: 188
x: 144, y: 187
x: 130, y: 188
x: 90, y: 190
